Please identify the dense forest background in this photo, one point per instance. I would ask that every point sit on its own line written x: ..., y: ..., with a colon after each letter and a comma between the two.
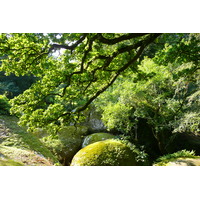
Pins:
x: 69, y: 91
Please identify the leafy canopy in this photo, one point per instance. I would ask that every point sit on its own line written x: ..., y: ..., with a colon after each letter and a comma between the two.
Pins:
x: 72, y: 71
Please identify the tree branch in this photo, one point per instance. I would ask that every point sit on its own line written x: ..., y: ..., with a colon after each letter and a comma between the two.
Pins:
x: 119, y: 39
x: 150, y: 39
x: 63, y: 46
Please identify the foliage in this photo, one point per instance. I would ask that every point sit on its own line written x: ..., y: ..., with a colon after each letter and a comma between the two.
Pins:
x: 127, y: 76
x: 65, y: 143
x: 53, y: 144
x: 4, y: 105
x: 72, y: 70
x: 165, y: 91
x: 141, y: 155
x: 170, y: 157
x: 12, y: 85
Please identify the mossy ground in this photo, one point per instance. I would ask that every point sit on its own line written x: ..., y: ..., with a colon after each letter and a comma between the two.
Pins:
x: 16, y: 139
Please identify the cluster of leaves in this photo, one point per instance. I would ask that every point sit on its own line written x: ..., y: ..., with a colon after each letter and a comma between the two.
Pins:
x: 142, y: 156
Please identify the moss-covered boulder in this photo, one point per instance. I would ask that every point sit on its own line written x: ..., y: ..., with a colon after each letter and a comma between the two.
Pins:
x: 19, y: 145
x: 5, y: 161
x: 9, y: 162
x: 15, y: 157
x: 184, y: 162
x: 95, y: 137
x: 40, y: 133
x: 66, y: 143
x: 105, y: 153
x: 179, y: 158
x: 181, y: 162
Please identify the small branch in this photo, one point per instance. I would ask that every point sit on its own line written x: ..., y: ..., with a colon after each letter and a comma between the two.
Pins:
x: 63, y: 46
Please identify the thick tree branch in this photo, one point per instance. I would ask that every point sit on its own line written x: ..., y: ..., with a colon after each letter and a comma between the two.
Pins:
x: 119, y: 39
x: 134, y: 59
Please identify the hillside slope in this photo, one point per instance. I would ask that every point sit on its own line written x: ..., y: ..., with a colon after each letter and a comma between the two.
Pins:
x: 17, y: 147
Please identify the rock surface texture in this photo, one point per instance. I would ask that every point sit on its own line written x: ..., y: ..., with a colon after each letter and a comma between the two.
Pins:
x: 185, y: 162
x: 95, y: 137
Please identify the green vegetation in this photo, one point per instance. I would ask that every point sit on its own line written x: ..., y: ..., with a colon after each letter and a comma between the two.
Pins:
x: 4, y: 105
x: 12, y: 85
x: 142, y: 87
x: 66, y: 142
x: 25, y: 156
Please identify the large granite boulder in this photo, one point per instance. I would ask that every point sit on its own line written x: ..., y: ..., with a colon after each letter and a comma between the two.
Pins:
x: 16, y: 144
x: 93, y: 120
x: 105, y: 153
x: 9, y: 162
x: 181, y: 162
x: 95, y: 137
x: 12, y: 156
x: 184, y: 162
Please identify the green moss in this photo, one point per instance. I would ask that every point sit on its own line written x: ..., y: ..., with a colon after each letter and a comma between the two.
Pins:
x: 105, y: 153
x: 24, y: 156
x: 9, y: 162
x: 18, y: 137
x: 95, y: 137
